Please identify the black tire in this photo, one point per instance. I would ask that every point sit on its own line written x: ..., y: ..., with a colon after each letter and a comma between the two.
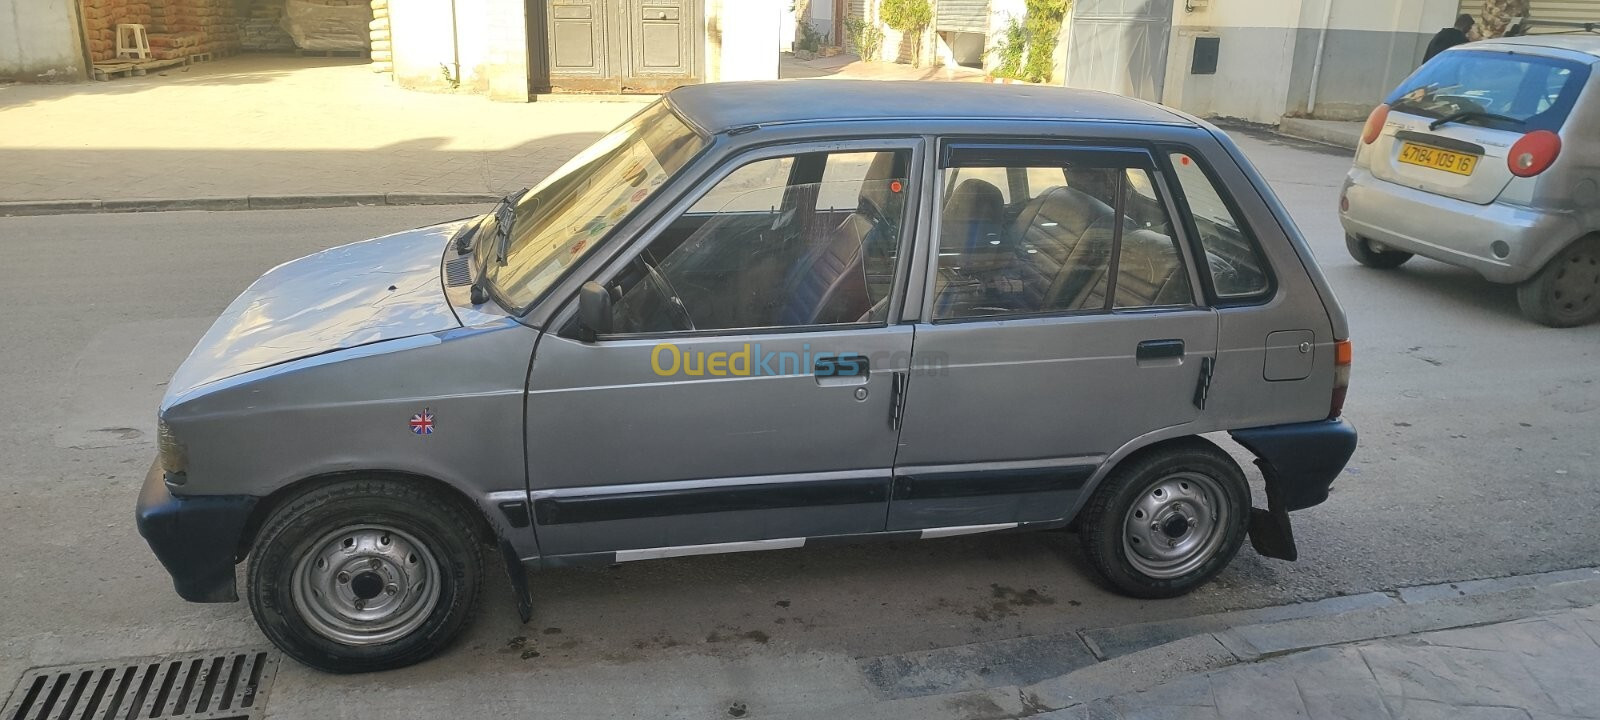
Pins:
x: 1362, y: 251
x: 1566, y: 292
x: 1103, y: 525
x: 296, y: 530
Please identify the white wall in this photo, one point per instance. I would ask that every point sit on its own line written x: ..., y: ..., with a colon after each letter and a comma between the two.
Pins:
x: 39, y: 41
x: 742, y: 39
x: 1269, y: 52
x: 422, y: 42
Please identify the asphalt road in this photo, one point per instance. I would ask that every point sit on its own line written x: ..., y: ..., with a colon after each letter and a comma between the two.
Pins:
x: 1477, y: 460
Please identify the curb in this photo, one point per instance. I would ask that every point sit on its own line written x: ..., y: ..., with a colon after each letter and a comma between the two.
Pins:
x: 1056, y: 676
x: 20, y: 208
x: 1410, y: 610
x: 1340, y: 137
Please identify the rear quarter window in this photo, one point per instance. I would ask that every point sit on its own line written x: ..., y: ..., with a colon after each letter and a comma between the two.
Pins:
x: 1236, y: 267
x: 1507, y: 91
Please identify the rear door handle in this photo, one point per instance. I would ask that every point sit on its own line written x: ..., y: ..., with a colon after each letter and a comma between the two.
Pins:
x: 1159, y: 350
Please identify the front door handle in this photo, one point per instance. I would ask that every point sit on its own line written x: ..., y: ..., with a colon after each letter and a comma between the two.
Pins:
x: 1159, y: 350
x: 841, y: 369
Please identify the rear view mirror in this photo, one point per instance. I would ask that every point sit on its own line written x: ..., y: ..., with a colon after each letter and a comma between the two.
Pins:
x: 594, y: 311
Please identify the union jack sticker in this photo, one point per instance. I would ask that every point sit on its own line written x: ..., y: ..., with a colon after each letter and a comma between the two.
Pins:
x: 422, y: 423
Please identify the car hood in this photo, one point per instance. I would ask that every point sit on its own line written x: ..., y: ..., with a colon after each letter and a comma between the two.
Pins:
x: 382, y: 289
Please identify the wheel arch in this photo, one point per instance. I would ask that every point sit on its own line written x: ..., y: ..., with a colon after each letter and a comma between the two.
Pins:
x: 1139, y: 449
x: 483, y: 528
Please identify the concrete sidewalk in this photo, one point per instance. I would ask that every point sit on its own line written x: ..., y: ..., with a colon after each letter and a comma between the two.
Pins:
x: 265, y: 125
x: 1537, y: 668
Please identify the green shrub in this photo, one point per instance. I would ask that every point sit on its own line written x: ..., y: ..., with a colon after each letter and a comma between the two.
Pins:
x: 1026, y: 50
x: 865, y: 37
x: 907, y: 16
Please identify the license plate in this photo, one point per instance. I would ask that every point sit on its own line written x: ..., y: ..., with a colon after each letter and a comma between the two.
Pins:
x: 1437, y: 158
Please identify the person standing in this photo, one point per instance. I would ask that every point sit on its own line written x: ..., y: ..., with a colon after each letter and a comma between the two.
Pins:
x: 1449, y: 37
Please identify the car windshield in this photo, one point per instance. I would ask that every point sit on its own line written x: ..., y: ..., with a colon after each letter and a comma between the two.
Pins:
x: 1505, y: 91
x: 565, y: 216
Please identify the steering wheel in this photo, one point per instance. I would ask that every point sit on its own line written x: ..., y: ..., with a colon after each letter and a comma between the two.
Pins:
x: 681, y: 320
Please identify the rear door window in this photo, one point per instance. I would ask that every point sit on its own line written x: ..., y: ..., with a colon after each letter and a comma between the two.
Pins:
x: 1500, y: 90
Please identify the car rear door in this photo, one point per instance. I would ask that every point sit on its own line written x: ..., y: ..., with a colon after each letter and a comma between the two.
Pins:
x: 1049, y: 343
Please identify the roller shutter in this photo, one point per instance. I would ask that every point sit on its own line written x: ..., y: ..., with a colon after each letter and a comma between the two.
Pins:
x: 1567, y: 10
x: 962, y: 16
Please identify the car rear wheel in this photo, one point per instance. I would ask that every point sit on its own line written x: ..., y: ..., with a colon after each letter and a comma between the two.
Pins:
x: 1164, y: 523
x: 1566, y: 293
x: 365, y: 575
x: 1362, y: 250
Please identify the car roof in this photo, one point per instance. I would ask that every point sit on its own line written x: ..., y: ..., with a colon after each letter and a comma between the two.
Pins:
x: 1587, y: 44
x: 718, y: 107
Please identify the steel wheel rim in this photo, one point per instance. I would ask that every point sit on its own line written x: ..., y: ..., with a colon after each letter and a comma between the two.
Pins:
x: 1576, y: 289
x: 366, y: 584
x: 1175, y: 525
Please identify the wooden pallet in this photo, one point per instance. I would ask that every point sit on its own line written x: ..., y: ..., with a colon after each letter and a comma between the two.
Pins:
x: 125, y: 68
x: 332, y: 53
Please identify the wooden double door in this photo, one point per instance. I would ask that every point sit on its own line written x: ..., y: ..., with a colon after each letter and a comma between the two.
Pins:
x: 624, y: 46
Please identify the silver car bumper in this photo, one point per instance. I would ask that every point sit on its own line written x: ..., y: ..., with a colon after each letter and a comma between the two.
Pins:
x: 1453, y: 231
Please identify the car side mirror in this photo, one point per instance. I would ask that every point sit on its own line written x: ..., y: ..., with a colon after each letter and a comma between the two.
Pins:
x: 594, y: 311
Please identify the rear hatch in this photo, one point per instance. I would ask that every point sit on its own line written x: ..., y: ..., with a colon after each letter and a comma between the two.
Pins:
x: 1453, y: 122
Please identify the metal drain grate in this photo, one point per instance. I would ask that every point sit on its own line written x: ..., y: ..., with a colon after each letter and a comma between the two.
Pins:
x: 226, y: 685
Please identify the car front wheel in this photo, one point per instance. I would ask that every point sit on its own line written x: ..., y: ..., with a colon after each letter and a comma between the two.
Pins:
x: 1361, y: 249
x: 1166, y: 522
x: 1566, y: 293
x: 365, y: 575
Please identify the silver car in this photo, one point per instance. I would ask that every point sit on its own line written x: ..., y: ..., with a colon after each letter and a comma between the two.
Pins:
x: 1488, y: 158
x: 761, y: 316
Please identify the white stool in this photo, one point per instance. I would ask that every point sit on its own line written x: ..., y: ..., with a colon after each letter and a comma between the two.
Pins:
x: 132, y: 42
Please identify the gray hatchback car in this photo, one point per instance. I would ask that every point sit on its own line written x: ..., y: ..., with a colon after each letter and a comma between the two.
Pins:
x: 763, y: 316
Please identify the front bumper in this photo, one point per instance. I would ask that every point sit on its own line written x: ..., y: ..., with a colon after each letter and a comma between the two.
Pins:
x: 195, y: 537
x: 1454, y: 231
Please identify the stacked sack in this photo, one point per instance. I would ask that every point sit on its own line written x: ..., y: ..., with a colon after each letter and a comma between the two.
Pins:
x: 382, y: 52
x: 100, y: 20
x: 173, y: 46
x: 214, y: 24
x: 262, y: 27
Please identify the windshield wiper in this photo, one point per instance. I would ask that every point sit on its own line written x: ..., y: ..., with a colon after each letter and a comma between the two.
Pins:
x: 1472, y: 114
x: 504, y: 214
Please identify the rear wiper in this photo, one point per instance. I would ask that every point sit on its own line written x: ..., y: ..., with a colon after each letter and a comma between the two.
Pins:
x: 504, y: 214
x: 1472, y: 114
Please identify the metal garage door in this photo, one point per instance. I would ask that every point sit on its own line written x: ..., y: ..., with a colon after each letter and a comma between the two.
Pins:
x: 1119, y: 46
x: 962, y: 16
x: 1566, y: 10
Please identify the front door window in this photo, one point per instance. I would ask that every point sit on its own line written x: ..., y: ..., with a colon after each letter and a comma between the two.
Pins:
x: 797, y: 241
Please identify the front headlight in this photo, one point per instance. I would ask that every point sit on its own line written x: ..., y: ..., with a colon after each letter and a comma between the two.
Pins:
x: 174, y: 457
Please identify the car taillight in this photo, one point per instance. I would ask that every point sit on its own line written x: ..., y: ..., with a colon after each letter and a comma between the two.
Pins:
x: 1341, y: 377
x: 1534, y: 153
x: 1374, y: 126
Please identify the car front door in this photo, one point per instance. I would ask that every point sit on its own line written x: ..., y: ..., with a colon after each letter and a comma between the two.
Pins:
x: 1061, y: 323
x: 742, y: 398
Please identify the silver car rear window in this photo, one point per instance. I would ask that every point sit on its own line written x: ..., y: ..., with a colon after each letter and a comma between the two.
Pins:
x: 1506, y: 91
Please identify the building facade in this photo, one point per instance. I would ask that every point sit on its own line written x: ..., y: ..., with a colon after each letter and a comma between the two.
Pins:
x: 511, y: 49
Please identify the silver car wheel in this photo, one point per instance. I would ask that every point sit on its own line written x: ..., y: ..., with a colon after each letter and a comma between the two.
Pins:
x: 1176, y: 525
x: 1576, y: 286
x: 366, y: 585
